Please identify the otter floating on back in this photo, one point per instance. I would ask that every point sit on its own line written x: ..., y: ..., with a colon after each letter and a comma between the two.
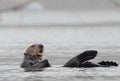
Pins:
x: 33, y: 59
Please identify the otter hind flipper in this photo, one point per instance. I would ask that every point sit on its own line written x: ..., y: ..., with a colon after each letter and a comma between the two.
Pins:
x: 79, y: 59
x: 87, y: 55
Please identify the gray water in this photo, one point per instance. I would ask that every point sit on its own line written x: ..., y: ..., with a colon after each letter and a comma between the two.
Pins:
x: 61, y: 44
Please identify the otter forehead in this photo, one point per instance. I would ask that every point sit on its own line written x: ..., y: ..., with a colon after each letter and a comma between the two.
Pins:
x: 37, y: 45
x: 35, y: 49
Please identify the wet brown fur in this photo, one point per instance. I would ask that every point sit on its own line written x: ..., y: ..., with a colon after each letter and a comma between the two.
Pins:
x: 35, y: 51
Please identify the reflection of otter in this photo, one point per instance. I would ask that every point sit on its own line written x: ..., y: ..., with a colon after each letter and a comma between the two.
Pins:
x: 33, y: 58
x: 81, y: 60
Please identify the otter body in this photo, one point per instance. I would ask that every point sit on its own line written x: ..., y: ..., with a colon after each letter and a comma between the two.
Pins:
x: 33, y: 59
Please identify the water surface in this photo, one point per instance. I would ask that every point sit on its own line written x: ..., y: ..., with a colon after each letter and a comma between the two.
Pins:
x: 61, y: 44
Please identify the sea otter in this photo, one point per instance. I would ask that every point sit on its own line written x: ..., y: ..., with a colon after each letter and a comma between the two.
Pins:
x: 82, y: 60
x: 33, y: 58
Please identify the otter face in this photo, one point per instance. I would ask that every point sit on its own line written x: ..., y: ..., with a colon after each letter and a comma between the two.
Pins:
x: 35, y: 51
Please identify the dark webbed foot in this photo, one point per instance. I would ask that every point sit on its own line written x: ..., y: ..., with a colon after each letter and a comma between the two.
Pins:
x: 107, y: 63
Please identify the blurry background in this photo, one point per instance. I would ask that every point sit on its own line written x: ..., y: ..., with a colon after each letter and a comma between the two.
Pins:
x: 59, y: 12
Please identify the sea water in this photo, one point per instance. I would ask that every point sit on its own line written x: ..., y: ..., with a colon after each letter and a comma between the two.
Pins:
x: 61, y: 44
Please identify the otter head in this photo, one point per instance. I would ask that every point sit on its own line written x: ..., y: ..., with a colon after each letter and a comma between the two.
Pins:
x: 35, y: 51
